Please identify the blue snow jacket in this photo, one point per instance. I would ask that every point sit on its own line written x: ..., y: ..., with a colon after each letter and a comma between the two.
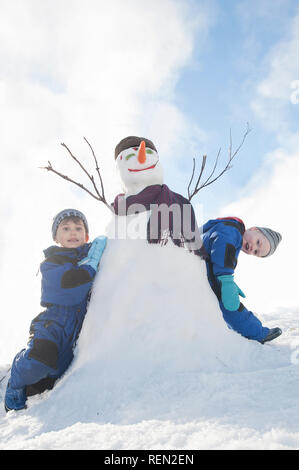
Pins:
x: 63, y: 281
x: 65, y: 289
x: 222, y: 240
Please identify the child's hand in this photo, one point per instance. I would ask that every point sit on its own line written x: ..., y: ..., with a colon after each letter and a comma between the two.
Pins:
x: 95, y: 253
x: 230, y: 292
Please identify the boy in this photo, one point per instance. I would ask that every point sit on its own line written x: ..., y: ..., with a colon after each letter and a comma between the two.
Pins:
x: 67, y: 274
x: 223, y: 239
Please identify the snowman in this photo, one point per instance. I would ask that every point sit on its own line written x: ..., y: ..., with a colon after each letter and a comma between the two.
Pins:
x: 152, y: 308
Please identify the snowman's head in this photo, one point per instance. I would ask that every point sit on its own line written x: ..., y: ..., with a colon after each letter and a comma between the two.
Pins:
x: 138, y: 165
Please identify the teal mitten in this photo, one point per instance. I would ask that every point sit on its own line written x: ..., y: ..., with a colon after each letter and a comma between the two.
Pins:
x: 95, y: 253
x: 230, y: 292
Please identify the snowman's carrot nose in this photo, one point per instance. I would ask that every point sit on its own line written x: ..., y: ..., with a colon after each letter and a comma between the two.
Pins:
x: 141, y: 152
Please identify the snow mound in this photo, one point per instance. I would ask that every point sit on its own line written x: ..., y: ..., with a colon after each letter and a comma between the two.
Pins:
x: 152, y: 307
x: 152, y: 320
x: 157, y: 367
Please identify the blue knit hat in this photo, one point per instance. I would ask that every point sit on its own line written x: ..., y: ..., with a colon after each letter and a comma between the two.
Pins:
x: 67, y: 213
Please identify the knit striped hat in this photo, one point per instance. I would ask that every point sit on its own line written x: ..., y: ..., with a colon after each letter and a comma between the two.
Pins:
x: 67, y: 213
x: 273, y: 238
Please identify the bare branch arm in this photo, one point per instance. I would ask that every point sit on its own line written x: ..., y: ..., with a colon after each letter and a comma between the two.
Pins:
x: 50, y: 168
x: 208, y: 181
x: 82, y: 168
x: 97, y: 195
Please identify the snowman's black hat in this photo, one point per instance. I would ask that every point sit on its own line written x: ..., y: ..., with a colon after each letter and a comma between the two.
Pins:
x: 132, y: 141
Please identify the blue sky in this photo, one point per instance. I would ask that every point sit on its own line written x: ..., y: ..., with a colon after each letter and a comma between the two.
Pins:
x: 181, y: 72
x: 217, y: 87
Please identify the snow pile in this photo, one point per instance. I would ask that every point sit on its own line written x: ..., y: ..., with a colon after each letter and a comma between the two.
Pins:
x: 152, y: 309
x: 157, y: 367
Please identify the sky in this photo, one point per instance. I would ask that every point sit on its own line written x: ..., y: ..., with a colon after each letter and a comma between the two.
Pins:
x: 184, y: 73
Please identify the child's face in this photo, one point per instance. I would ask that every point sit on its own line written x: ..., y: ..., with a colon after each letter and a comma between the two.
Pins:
x: 255, y: 243
x: 71, y: 234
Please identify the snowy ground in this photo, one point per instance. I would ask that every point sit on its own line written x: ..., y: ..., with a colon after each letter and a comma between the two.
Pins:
x: 160, y: 371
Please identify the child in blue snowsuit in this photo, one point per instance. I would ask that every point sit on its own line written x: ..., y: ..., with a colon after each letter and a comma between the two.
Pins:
x: 223, y: 239
x: 67, y: 274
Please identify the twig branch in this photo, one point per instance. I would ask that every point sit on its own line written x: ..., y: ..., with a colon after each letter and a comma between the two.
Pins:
x: 208, y: 181
x: 97, y: 195
x: 50, y: 168
x: 97, y: 167
x: 203, y: 164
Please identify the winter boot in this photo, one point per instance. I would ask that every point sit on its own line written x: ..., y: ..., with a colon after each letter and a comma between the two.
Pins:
x: 15, y: 398
x: 273, y: 333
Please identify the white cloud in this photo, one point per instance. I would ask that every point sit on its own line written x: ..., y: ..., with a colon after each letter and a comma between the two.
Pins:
x: 274, y: 101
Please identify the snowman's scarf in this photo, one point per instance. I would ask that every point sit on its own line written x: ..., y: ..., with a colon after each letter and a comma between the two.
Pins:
x: 172, y: 216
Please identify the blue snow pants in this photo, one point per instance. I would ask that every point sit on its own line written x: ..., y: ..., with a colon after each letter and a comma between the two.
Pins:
x: 244, y: 322
x: 49, y: 352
